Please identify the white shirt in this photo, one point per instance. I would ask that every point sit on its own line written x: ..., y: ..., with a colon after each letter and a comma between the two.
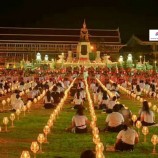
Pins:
x: 111, y: 104
x: 149, y: 118
x: 80, y: 120
x: 92, y: 86
x: 128, y: 136
x: 18, y: 104
x: 13, y: 99
x: 114, y: 119
x: 108, y: 86
x: 46, y: 100
x: 77, y: 101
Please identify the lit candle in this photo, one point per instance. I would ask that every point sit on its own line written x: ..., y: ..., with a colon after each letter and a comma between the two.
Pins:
x: 154, y: 140
x: 3, y: 103
x: 5, y: 122
x: 12, y: 118
x: 46, y: 131
x: 24, y: 108
x: 134, y: 118
x: 145, y: 131
x: 96, y: 138
x: 18, y: 113
x: 25, y: 154
x: 41, y: 139
x: 34, y: 148
x: 138, y: 125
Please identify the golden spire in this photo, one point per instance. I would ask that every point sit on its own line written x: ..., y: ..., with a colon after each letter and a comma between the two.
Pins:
x: 84, y: 23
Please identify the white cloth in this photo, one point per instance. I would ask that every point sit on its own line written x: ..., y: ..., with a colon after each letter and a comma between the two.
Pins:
x: 80, y: 121
x: 18, y: 104
x: 111, y: 104
x: 149, y: 118
x: 92, y: 87
x: 46, y: 100
x: 114, y: 119
x: 13, y: 99
x: 128, y: 136
x: 78, y: 101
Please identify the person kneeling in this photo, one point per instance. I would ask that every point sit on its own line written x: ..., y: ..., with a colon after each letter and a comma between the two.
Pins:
x: 126, y: 139
x: 79, y: 122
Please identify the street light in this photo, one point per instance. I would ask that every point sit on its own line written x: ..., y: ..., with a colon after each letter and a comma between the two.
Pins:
x: 140, y: 58
x: 155, y: 63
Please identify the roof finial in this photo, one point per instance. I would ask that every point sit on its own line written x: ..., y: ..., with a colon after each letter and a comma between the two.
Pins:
x: 84, y: 23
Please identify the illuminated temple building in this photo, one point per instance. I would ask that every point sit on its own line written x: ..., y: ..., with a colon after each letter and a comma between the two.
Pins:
x: 21, y: 43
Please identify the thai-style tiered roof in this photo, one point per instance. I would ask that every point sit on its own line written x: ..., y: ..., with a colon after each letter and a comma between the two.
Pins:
x: 57, y: 35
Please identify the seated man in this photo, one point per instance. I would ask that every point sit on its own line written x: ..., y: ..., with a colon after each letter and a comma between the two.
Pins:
x: 18, y: 103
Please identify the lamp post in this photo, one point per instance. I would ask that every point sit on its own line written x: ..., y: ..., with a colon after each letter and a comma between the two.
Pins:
x: 145, y: 131
x: 155, y: 64
x: 5, y: 122
x: 12, y: 118
x: 25, y: 154
x: 41, y: 140
x: 138, y: 125
x: 140, y: 59
x: 134, y: 118
x: 34, y: 148
x: 154, y: 140
x: 46, y: 131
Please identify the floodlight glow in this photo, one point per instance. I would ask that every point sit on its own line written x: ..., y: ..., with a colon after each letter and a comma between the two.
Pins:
x: 129, y: 58
x: 120, y: 59
x: 38, y: 56
x: 46, y: 58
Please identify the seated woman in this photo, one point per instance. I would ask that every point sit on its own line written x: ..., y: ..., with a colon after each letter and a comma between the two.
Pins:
x: 138, y: 90
x: 79, y: 122
x: 114, y: 121
x: 55, y: 95
x: 111, y: 102
x: 78, y: 101
x: 126, y: 139
x: 104, y: 101
x: 147, y: 116
x: 48, y: 101
x: 126, y: 113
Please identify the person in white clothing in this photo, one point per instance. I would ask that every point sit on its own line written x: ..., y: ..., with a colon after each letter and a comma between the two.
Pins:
x: 79, y: 122
x: 126, y: 139
x: 111, y: 103
x: 147, y: 116
x: 48, y: 101
x: 78, y: 101
x: 13, y: 98
x: 18, y: 103
x: 114, y: 121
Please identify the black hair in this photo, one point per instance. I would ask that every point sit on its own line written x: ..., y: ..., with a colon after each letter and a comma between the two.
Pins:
x: 109, y: 111
x: 48, y: 94
x: 80, y: 111
x: 116, y: 108
x: 114, y: 98
x: 88, y: 154
x: 146, y: 107
x: 125, y: 127
x: 138, y: 88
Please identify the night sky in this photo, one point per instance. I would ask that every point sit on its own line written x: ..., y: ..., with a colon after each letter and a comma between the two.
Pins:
x: 131, y: 16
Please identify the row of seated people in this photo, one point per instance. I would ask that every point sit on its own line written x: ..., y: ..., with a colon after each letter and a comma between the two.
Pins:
x: 50, y: 100
x: 117, y: 120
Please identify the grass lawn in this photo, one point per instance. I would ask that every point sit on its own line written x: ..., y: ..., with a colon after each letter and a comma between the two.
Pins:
x: 62, y: 143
